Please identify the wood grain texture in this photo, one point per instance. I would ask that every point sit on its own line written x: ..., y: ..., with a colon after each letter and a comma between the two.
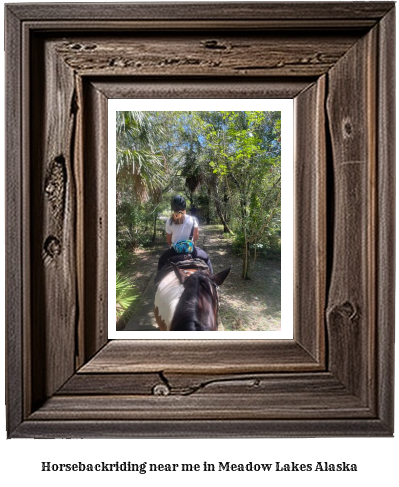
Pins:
x: 350, y: 314
x: 317, y: 25
x: 341, y: 11
x: 256, y: 396
x: 65, y: 61
x: 185, y: 384
x: 310, y: 200
x: 78, y: 145
x: 200, y: 356
x: 53, y: 214
x: 385, y: 277
x: 246, y: 54
x: 203, y: 407
x: 15, y: 235
x: 198, y: 87
x: 310, y: 338
x: 191, y: 428
x: 95, y: 201
x: 111, y: 384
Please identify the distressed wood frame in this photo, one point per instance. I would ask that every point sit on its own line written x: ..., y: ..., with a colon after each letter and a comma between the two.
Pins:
x: 64, y: 379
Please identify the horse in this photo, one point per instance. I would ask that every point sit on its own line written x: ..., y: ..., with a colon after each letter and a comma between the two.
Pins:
x: 187, y: 297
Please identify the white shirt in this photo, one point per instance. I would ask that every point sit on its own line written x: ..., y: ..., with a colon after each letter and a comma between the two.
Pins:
x: 182, y: 231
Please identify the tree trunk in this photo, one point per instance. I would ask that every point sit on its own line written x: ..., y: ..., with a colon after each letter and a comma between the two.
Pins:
x: 208, y: 207
x: 225, y: 203
x: 219, y: 211
x: 245, y: 263
x: 226, y: 228
x: 154, y: 235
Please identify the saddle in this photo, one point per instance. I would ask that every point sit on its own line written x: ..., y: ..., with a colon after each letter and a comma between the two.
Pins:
x: 184, y: 261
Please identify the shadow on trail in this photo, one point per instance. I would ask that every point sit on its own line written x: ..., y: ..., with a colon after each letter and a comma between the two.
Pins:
x: 143, y: 319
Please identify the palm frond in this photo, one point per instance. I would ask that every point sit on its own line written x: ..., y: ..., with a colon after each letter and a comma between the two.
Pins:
x: 126, y: 294
x: 139, y: 161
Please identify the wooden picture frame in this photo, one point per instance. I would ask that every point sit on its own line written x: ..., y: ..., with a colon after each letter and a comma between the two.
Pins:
x: 335, y: 378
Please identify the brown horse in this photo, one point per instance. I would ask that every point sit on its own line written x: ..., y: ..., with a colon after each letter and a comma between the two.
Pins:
x: 187, y: 299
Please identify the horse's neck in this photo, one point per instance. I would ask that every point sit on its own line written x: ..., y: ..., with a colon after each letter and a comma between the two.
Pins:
x: 186, y: 309
x: 177, y: 307
x: 188, y: 326
x: 187, y: 316
x: 168, y: 294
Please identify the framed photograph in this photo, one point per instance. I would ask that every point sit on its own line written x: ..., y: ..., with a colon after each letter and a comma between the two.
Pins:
x: 230, y: 163
x: 65, y: 377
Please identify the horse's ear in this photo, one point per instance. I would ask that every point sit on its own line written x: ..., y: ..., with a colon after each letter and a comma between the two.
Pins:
x: 221, y: 276
x: 182, y: 276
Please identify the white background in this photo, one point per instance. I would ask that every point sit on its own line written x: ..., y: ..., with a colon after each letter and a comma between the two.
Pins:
x: 377, y: 459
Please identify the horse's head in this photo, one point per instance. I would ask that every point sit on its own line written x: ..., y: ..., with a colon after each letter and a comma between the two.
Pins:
x: 198, y: 306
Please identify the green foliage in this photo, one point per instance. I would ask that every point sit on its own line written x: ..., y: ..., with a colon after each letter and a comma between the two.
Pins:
x: 245, y: 157
x: 238, y: 243
x: 272, y: 247
x: 269, y: 247
x: 140, y: 164
x: 123, y: 258
x: 227, y: 164
x: 134, y: 225
x: 126, y: 294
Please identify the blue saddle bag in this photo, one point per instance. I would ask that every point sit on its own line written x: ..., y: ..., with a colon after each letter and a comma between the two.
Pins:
x: 185, y: 246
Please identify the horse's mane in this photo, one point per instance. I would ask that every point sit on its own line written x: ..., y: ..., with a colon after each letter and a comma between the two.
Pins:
x: 186, y: 313
x: 193, y: 303
x: 189, y: 326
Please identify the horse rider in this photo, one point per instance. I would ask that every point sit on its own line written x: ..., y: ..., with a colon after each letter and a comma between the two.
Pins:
x: 180, y: 230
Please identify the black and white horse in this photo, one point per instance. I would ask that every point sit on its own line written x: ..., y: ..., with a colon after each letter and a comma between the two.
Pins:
x: 187, y: 299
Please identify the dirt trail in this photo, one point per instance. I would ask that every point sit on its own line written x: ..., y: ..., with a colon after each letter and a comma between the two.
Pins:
x: 252, y: 305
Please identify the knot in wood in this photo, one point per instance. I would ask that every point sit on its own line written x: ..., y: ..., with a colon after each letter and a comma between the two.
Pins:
x: 349, y: 310
x: 347, y: 128
x: 90, y: 47
x: 213, y: 44
x: 346, y: 310
x: 54, y: 186
x: 161, y: 390
x: 50, y: 188
x: 52, y: 248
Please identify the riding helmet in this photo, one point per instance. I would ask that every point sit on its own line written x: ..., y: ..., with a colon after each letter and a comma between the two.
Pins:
x: 178, y: 203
